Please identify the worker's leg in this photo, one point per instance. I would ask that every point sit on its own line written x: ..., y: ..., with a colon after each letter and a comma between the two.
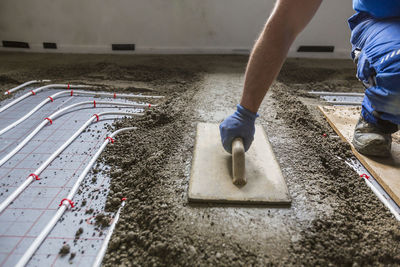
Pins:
x: 376, y: 48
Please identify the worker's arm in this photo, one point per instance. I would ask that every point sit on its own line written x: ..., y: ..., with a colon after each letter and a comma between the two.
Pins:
x: 287, y: 20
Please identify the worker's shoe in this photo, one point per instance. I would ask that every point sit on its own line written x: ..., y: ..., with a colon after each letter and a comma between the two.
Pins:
x: 370, y: 140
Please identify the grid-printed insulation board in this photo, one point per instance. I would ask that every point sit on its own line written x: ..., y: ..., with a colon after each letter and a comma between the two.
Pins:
x: 23, y: 220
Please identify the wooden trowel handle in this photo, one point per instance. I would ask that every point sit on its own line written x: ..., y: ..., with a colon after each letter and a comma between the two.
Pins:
x: 238, y: 162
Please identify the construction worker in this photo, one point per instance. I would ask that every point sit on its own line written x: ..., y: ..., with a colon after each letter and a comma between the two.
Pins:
x: 375, y: 42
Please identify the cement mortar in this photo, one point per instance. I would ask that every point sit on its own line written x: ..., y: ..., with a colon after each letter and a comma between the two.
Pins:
x: 334, y: 219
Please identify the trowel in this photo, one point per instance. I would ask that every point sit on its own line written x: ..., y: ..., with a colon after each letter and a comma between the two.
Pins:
x: 252, y: 177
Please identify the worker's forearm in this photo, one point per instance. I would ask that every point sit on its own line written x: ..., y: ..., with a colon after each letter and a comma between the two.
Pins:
x: 265, y: 63
x: 286, y: 21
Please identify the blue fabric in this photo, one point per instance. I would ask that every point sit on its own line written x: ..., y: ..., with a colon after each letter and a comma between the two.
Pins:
x: 239, y: 124
x: 379, y: 42
x: 378, y: 8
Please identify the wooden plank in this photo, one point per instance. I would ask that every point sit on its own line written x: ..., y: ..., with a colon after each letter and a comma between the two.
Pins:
x: 385, y: 170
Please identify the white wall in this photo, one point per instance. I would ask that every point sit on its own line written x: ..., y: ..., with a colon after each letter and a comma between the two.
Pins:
x: 161, y: 26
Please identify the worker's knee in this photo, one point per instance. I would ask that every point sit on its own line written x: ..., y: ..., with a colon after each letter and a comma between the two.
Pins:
x: 381, y: 77
x: 376, y: 46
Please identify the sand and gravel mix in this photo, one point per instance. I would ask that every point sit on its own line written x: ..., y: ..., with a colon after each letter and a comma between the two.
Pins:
x: 334, y: 219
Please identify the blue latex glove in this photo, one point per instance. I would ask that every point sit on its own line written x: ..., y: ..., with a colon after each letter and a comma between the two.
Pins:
x: 239, y: 124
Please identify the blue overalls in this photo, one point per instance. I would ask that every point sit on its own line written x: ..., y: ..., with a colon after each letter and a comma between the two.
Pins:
x: 375, y: 40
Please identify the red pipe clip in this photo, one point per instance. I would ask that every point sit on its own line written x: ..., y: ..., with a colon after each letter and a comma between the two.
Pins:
x: 50, y: 120
x: 33, y: 92
x: 34, y: 176
x: 115, y: 95
x: 97, y: 116
x: 72, y: 92
x: 111, y: 139
x: 51, y: 99
x: 364, y: 175
x: 69, y: 201
x: 8, y: 92
x: 68, y: 86
x: 94, y: 103
x: 149, y: 105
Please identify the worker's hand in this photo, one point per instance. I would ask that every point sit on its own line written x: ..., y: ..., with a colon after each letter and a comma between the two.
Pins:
x: 239, y: 124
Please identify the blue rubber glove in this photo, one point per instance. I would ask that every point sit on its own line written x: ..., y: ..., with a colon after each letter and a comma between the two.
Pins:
x: 239, y: 124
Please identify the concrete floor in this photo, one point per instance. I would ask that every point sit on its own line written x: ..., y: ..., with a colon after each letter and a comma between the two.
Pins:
x: 334, y: 218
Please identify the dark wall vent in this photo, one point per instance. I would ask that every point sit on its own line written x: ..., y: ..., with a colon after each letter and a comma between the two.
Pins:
x: 49, y: 45
x: 15, y: 44
x: 316, y: 48
x: 123, y: 47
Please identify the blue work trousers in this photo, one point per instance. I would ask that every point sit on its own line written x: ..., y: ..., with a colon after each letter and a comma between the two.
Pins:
x: 376, y: 49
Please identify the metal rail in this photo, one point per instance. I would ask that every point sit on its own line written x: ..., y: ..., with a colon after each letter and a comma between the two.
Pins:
x: 347, y: 103
x: 321, y: 93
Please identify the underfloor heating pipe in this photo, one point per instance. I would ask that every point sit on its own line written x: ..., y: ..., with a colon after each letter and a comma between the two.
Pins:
x: 27, y: 115
x: 37, y: 90
x: 23, y: 85
x: 103, y: 249
x: 49, y: 120
x: 35, y: 175
x: 65, y: 204
x: 77, y: 92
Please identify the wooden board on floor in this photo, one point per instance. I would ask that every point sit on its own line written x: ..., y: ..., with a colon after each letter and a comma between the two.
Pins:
x: 385, y: 171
